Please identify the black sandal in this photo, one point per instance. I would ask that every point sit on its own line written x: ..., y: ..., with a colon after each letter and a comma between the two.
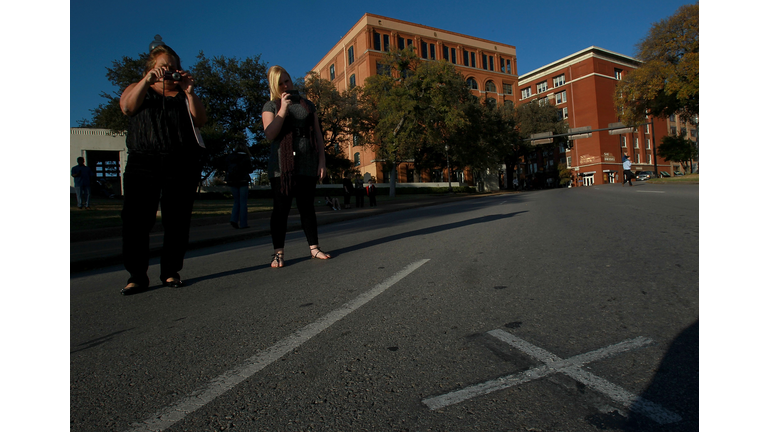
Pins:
x: 173, y: 283
x: 315, y: 251
x: 133, y: 290
x: 277, y: 258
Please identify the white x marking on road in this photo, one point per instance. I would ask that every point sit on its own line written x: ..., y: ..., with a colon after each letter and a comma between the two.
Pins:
x: 571, y: 367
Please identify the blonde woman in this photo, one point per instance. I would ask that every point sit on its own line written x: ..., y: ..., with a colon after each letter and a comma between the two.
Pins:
x: 296, y: 162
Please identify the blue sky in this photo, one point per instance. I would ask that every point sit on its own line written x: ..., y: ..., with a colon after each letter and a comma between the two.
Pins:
x: 297, y: 34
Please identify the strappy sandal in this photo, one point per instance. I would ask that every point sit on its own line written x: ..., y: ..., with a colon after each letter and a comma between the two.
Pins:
x: 277, y: 258
x: 315, y: 251
x: 135, y: 289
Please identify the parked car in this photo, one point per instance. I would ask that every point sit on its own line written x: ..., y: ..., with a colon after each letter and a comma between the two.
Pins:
x: 644, y: 175
x: 664, y: 174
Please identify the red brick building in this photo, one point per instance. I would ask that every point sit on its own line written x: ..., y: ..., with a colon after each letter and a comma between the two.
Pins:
x: 581, y: 86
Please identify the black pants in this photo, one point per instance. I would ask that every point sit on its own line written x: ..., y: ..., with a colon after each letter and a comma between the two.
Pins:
x: 372, y: 197
x: 303, y: 189
x: 169, y: 180
x: 628, y: 177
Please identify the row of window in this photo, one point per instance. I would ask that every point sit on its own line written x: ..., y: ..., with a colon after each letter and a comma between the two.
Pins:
x: 636, y: 143
x: 543, y: 86
x: 490, y: 86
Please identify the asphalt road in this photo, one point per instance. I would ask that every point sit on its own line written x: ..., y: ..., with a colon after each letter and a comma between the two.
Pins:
x: 558, y: 310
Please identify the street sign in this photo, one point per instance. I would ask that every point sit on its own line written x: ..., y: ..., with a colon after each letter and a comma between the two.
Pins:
x: 586, y: 132
x: 541, y: 138
x: 619, y: 129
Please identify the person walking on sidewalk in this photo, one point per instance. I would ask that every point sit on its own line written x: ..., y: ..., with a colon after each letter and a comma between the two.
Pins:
x: 82, y: 175
x: 359, y: 192
x: 371, y: 190
x: 627, y: 170
x: 347, y: 185
x: 163, y: 166
x: 296, y: 161
x: 239, y: 169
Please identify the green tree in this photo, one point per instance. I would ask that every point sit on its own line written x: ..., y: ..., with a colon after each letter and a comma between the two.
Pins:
x: 536, y: 117
x: 668, y: 80
x: 424, y: 112
x: 234, y: 92
x: 678, y: 149
x: 342, y: 119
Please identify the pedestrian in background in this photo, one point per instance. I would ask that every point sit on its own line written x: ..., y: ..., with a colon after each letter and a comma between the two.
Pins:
x: 163, y: 166
x: 371, y: 193
x: 82, y: 175
x: 296, y: 161
x: 347, y: 186
x: 239, y: 169
x: 627, y: 170
x: 359, y: 191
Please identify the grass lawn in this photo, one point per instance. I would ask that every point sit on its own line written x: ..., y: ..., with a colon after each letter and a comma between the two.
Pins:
x: 105, y: 212
x: 690, y: 178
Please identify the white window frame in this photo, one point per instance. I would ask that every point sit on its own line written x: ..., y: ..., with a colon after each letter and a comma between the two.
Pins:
x: 541, y: 87
x: 560, y: 97
x: 637, y: 143
x: 558, y: 81
x: 525, y: 93
x: 647, y: 143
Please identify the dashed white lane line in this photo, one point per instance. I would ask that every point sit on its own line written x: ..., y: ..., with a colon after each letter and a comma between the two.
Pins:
x: 571, y: 367
x: 226, y: 381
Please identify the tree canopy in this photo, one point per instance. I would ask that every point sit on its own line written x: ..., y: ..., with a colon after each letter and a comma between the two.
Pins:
x: 668, y: 80
x: 679, y: 149
x: 233, y: 92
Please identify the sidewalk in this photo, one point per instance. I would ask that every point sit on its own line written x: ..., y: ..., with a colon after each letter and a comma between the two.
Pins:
x: 101, y: 252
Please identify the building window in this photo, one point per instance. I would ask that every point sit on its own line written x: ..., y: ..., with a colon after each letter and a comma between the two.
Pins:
x: 543, y: 101
x: 466, y: 58
x: 423, y: 50
x: 490, y: 87
x: 637, y: 158
x: 357, y: 159
x: 624, y: 141
x: 672, y: 118
x: 501, y: 65
x: 637, y: 143
x: 491, y: 62
x: 352, y: 81
x: 693, y: 133
x: 673, y: 131
x: 333, y: 72
x: 541, y: 87
x: 351, y: 53
x: 507, y: 88
x: 400, y: 43
x: 382, y: 69
x: 525, y: 93
x: 355, y: 140
x: 386, y: 43
x: 453, y: 55
x: 648, y: 159
x: 647, y: 143
x: 445, y: 53
x: 485, y: 62
x: 558, y: 80
x: 472, y: 84
x: 376, y: 41
x: 509, y: 66
x: 617, y: 73
x: 432, y: 52
x: 560, y: 98
x: 562, y: 113
x: 472, y: 61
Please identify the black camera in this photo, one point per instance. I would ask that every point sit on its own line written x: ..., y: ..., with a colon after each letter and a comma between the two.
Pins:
x: 293, y: 96
x: 171, y: 76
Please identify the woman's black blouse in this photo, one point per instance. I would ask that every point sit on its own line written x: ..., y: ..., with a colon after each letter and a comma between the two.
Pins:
x: 161, y: 126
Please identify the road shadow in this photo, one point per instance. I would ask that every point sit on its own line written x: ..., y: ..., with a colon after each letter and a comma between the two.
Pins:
x: 675, y: 387
x: 424, y: 231
x: 339, y: 252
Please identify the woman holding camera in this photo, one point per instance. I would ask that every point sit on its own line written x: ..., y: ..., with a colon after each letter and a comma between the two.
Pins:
x: 296, y: 162
x: 163, y: 166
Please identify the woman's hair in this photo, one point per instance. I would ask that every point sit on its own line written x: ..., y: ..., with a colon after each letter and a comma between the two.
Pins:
x: 155, y: 53
x: 274, y: 74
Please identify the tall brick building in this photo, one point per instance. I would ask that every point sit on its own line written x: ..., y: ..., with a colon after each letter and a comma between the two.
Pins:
x: 581, y: 86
